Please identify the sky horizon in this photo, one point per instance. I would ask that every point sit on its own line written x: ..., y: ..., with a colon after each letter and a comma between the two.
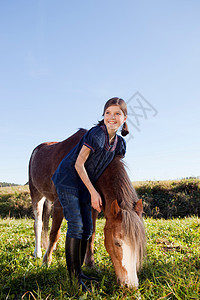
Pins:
x: 60, y: 63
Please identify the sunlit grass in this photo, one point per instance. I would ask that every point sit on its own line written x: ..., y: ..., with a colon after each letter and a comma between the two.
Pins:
x: 171, y: 269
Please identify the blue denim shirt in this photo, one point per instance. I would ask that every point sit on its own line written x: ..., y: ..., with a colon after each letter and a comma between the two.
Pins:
x: 102, y: 153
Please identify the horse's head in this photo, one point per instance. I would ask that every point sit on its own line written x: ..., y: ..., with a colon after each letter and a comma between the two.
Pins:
x: 124, y: 230
x: 125, y: 245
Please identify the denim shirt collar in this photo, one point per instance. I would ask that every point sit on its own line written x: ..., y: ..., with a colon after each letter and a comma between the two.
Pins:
x: 107, y: 145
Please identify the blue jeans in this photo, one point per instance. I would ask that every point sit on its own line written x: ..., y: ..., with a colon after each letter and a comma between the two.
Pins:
x: 77, y: 211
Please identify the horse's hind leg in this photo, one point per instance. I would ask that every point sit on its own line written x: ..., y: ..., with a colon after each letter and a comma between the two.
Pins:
x: 45, y: 219
x: 37, y: 209
x: 37, y: 205
x: 57, y: 218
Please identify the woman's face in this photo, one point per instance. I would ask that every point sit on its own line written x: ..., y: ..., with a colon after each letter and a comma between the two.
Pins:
x: 114, y: 117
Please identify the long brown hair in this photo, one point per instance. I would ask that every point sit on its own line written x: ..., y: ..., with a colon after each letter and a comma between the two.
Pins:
x: 123, y: 107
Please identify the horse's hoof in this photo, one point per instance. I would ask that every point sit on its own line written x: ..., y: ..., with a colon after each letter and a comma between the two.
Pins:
x: 37, y: 254
x: 47, y: 259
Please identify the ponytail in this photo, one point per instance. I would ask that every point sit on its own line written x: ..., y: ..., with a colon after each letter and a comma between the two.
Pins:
x: 100, y: 123
x: 124, y: 130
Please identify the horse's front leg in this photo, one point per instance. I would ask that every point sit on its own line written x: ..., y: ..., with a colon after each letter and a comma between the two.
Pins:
x: 89, y: 257
x: 57, y: 218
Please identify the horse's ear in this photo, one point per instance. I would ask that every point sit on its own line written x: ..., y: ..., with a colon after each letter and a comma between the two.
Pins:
x: 139, y: 207
x: 115, y: 209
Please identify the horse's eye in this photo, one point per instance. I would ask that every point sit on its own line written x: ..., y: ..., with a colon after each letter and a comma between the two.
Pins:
x: 117, y: 243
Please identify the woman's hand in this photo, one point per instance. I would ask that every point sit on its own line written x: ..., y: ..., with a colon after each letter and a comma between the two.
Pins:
x: 96, y: 201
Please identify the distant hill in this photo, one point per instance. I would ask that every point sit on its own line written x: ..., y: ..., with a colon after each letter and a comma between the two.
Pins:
x: 3, y: 184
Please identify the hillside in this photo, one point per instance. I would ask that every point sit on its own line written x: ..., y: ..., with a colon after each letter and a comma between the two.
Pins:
x: 3, y: 184
x: 167, y: 199
x: 161, y: 199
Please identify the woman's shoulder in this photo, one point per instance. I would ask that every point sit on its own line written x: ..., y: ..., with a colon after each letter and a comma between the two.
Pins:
x: 96, y: 131
x: 95, y: 137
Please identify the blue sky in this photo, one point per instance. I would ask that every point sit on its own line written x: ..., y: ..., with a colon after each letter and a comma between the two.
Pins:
x: 62, y: 60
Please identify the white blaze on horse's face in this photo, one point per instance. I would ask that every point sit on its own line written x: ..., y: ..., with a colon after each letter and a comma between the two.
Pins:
x: 123, y: 255
x: 129, y: 261
x: 122, y: 251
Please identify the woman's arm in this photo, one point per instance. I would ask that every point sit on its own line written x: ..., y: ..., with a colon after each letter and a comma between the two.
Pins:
x: 80, y: 168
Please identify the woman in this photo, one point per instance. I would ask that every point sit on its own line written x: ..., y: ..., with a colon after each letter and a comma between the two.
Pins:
x: 76, y: 175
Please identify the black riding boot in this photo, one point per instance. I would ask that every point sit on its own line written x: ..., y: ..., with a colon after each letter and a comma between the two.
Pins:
x: 84, y: 244
x: 73, y: 259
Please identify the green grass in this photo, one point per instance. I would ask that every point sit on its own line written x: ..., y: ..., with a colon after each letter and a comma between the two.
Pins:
x: 171, y: 269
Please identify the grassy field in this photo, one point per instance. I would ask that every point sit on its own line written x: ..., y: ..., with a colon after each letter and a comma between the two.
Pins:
x: 171, y: 269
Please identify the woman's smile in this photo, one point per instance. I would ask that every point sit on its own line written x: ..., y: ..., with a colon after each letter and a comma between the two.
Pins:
x: 114, y: 117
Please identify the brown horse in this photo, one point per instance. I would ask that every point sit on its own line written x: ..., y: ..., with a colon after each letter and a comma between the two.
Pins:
x: 124, y: 230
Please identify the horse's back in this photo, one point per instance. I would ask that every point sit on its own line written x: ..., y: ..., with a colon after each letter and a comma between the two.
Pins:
x: 45, y: 159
